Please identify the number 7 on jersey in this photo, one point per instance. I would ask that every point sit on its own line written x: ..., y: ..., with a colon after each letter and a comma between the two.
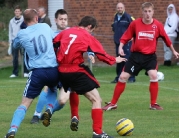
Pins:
x: 71, y: 42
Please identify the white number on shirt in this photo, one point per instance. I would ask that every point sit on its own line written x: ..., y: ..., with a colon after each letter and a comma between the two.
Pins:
x: 71, y: 41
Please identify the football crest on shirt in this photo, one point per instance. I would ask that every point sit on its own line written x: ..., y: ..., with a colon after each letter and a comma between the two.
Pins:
x: 154, y: 26
x: 146, y: 35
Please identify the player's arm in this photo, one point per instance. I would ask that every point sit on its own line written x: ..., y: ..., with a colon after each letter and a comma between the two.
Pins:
x: 126, y: 37
x: 120, y: 49
x: 101, y: 54
x: 175, y: 53
x: 168, y: 41
x: 91, y: 55
x: 56, y: 42
x: 16, y: 42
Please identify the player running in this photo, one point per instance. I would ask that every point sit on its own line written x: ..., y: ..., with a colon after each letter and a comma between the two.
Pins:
x: 74, y: 74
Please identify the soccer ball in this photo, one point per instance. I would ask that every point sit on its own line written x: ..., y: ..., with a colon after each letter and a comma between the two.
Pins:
x: 160, y: 76
x: 124, y: 127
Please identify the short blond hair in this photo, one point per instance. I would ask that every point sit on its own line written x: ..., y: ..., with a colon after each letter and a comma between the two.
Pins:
x: 29, y: 14
x: 147, y: 5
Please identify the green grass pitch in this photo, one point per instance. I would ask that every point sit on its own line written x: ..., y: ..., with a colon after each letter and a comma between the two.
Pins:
x: 133, y: 104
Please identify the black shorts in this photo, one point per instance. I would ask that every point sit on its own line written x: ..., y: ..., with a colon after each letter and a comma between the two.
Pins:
x: 80, y: 82
x: 138, y: 61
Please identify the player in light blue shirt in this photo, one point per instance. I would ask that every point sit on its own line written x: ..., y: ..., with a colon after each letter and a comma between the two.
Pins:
x: 61, y: 19
x: 40, y: 58
x: 39, y: 52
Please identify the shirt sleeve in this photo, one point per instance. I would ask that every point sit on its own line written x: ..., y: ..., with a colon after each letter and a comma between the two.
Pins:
x: 128, y: 34
x: 164, y: 36
x: 16, y: 42
x: 101, y: 54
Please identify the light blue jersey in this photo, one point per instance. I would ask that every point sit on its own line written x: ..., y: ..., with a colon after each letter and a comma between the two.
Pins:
x: 57, y: 32
x: 37, y: 42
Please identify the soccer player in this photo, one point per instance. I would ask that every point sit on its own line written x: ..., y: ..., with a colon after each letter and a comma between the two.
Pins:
x: 40, y: 58
x: 61, y: 19
x: 74, y: 74
x: 145, y: 32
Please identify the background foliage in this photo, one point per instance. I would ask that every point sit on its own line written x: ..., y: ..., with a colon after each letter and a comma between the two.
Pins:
x: 6, y: 13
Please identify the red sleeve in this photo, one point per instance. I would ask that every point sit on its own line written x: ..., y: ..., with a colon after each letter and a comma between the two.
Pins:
x: 101, y: 54
x: 128, y: 35
x: 57, y: 38
x: 164, y: 36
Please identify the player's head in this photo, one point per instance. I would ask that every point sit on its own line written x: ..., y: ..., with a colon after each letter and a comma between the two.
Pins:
x: 147, y: 11
x: 30, y: 16
x: 89, y: 23
x: 61, y: 19
x: 17, y: 11
x: 41, y: 11
x: 120, y: 8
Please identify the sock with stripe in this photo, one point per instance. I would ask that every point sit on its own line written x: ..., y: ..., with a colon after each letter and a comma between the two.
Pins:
x: 18, y: 117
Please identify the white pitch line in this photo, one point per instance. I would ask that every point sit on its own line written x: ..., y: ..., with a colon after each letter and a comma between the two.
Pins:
x: 140, y: 83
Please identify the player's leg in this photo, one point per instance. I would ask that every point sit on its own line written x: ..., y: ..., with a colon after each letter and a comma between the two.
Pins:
x: 151, y: 67
x: 51, y: 98
x: 74, y: 103
x: 130, y: 68
x: 51, y: 80
x: 118, y: 90
x: 153, y: 88
x: 42, y: 101
x: 31, y: 91
x: 96, y: 113
x: 127, y: 52
x: 62, y: 99
x: 18, y: 116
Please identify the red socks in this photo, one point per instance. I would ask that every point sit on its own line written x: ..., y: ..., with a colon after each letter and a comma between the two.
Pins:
x: 74, y: 102
x: 118, y: 91
x: 97, y: 117
x: 153, y: 88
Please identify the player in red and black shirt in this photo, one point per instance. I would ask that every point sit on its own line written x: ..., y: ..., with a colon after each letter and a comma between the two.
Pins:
x: 74, y: 74
x: 145, y: 33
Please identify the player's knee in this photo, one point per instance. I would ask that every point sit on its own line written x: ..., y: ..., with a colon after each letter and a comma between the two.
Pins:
x: 123, y: 78
x: 97, y: 100
x: 62, y: 101
x: 153, y: 76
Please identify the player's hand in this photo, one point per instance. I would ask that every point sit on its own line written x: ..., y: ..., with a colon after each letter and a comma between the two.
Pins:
x: 121, y: 51
x: 176, y: 54
x: 120, y: 59
x: 91, y: 57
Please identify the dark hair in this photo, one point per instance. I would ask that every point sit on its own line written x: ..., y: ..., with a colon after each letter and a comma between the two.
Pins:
x: 17, y: 7
x: 60, y: 11
x: 29, y: 14
x: 88, y: 20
